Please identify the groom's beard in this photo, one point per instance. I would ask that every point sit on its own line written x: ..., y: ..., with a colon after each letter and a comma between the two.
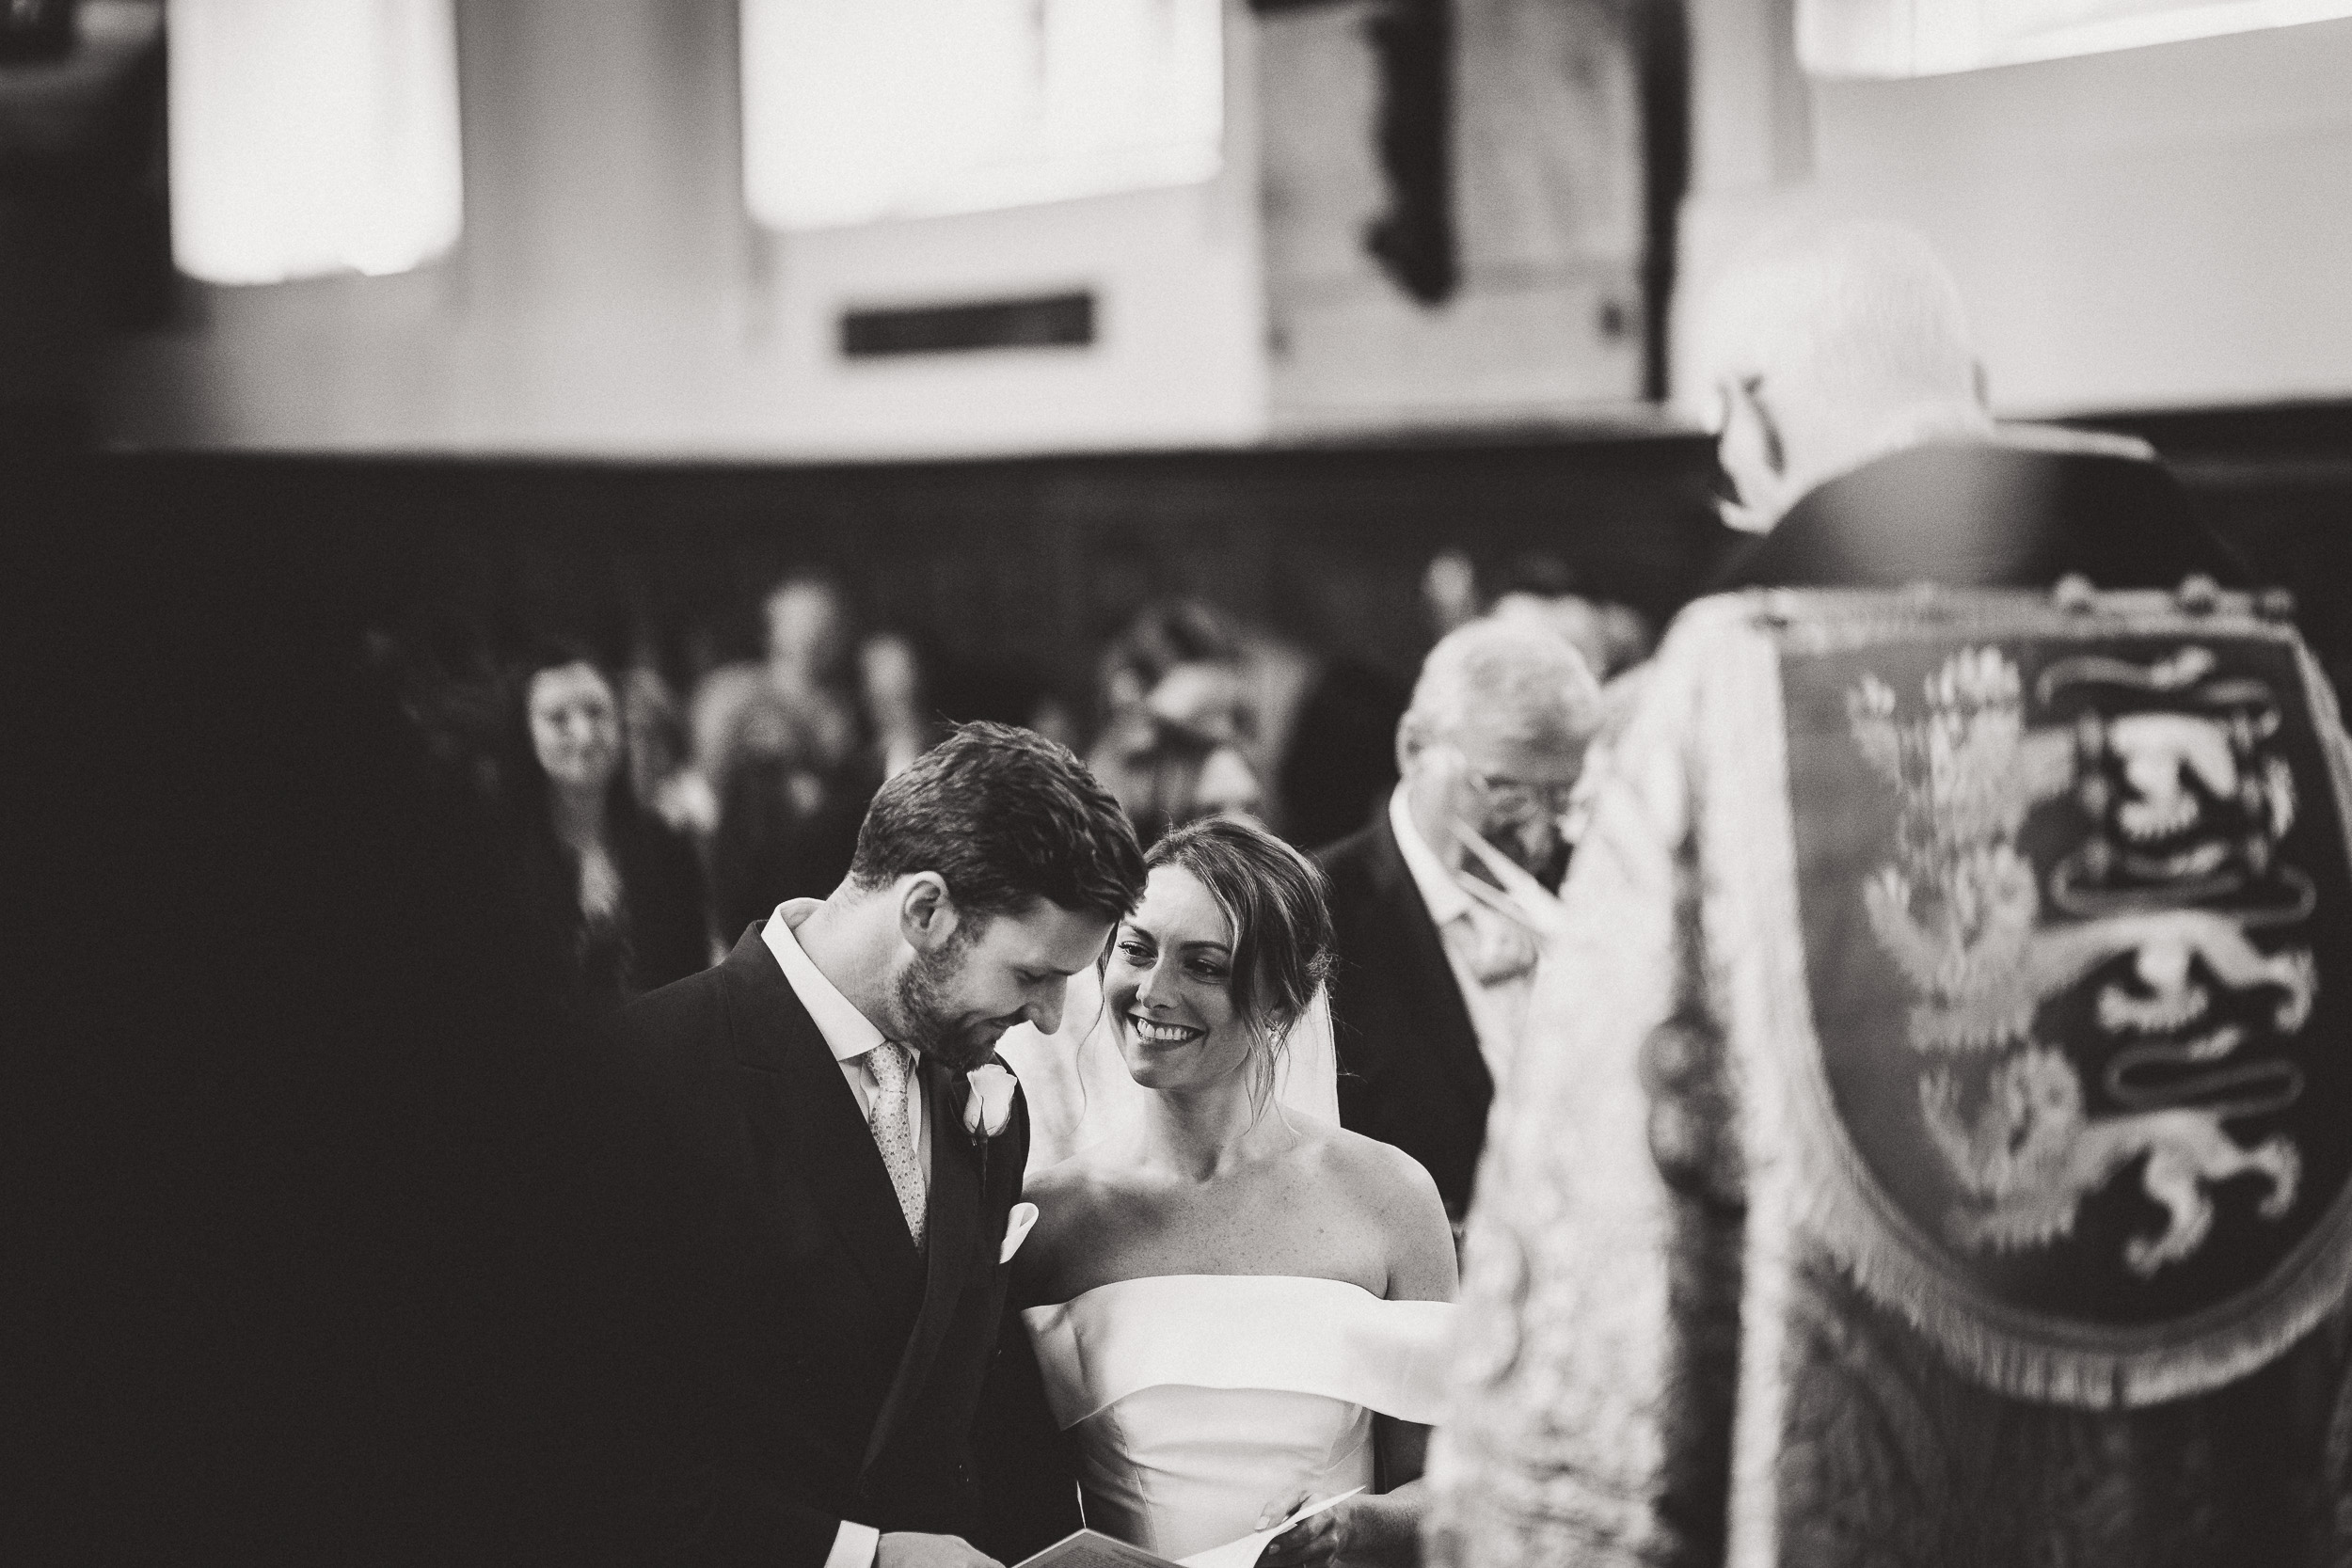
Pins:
x: 925, y: 1021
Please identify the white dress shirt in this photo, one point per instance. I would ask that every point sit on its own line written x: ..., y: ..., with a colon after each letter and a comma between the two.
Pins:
x: 849, y: 1034
x: 1498, y: 1009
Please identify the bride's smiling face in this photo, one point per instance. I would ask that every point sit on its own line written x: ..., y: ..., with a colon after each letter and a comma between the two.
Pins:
x: 1170, y: 987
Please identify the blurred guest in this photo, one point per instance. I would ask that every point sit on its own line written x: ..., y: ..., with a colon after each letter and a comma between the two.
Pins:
x: 1430, y: 991
x: 618, y: 892
x: 1542, y: 587
x: 1241, y: 685
x: 1183, y: 652
x: 1176, y: 705
x: 1339, y: 763
x: 653, y: 729
x: 1173, y: 774
x: 1449, y: 591
x: 804, y: 685
x: 890, y: 680
x: 782, y: 751
x: 1278, y: 677
x: 789, y: 820
x: 1057, y: 721
x: 655, y: 733
x: 1853, y: 437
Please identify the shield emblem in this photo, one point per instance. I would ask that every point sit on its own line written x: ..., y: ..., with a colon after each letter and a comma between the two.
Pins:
x: 2074, y: 892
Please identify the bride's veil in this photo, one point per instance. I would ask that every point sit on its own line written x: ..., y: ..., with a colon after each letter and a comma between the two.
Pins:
x: 1079, y: 1092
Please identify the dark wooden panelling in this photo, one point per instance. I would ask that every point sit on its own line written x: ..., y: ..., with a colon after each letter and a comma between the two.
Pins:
x: 1028, y: 564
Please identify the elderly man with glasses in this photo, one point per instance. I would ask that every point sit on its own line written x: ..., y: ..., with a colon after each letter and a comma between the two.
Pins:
x: 1430, y: 988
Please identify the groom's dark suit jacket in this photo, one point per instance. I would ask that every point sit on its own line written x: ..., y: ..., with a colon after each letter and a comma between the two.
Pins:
x: 803, y: 1363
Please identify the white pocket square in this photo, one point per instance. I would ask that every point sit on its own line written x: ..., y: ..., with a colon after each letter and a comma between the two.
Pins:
x: 1017, y: 1229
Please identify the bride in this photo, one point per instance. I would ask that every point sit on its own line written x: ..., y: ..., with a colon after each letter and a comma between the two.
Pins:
x: 1239, y: 1307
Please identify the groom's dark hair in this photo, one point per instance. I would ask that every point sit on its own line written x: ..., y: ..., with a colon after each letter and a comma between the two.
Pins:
x: 1005, y: 817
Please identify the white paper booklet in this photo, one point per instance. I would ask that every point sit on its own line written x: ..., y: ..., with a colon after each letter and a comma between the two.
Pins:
x: 1089, y: 1549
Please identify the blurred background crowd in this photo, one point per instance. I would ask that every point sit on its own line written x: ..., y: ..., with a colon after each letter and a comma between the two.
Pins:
x: 655, y: 805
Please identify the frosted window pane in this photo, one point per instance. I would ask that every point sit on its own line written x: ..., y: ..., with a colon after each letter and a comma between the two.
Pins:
x: 854, y: 112
x: 312, y: 137
x: 1925, y: 38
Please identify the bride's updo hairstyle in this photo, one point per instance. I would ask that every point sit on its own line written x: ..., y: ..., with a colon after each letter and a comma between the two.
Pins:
x: 1273, y: 897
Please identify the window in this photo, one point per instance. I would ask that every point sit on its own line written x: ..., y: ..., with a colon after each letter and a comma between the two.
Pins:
x: 312, y: 137
x: 1924, y: 37
x: 909, y: 109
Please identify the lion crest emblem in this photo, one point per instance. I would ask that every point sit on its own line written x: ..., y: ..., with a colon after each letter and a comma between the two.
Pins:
x: 2086, y: 1020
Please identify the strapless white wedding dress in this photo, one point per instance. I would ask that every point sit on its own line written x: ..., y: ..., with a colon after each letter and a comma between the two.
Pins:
x: 1198, y: 1400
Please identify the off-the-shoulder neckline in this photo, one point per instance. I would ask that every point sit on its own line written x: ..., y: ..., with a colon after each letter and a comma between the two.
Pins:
x: 1158, y: 1278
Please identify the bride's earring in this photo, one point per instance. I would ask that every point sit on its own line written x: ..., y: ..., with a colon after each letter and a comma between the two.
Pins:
x: 1267, y: 1069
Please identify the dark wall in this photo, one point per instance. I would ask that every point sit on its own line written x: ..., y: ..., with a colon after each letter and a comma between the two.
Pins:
x: 1026, y: 565
x: 2276, y: 481
x: 1020, y: 568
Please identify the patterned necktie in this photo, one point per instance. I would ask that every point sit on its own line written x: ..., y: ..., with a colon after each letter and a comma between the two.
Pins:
x: 893, y: 1130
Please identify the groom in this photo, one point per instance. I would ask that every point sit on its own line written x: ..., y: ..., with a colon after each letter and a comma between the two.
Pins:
x: 834, y: 1224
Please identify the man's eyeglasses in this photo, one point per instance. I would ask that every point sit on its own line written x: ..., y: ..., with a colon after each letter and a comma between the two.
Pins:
x: 1513, y: 802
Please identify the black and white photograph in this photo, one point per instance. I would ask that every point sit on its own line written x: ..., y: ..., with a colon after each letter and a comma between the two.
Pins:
x: 1176, y: 784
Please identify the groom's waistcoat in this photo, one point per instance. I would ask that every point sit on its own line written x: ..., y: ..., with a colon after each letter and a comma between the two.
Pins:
x: 813, y: 1365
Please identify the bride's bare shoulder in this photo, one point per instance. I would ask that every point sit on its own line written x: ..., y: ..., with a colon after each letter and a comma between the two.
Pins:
x: 1394, y: 1197
x: 1386, y: 1185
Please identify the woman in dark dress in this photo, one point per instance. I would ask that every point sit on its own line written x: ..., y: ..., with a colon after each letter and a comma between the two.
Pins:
x: 616, y: 894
